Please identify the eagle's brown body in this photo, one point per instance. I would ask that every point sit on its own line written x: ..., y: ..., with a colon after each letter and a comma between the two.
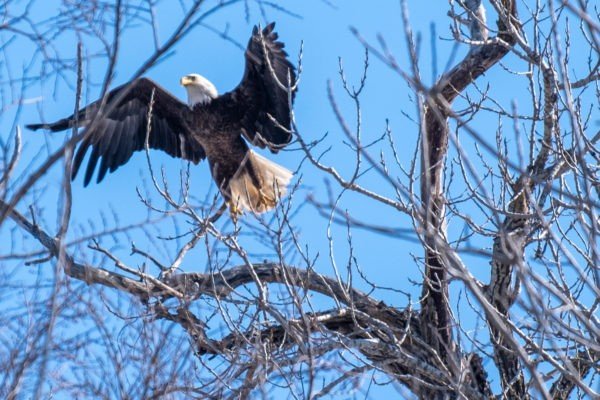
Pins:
x: 215, y: 132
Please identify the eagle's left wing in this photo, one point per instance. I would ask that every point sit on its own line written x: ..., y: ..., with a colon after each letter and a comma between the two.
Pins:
x: 262, y: 93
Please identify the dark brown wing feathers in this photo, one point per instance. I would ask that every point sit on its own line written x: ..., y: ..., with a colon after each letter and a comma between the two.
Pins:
x: 114, y: 137
x: 263, y: 88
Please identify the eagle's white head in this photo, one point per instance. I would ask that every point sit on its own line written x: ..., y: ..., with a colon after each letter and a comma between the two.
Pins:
x: 199, y: 89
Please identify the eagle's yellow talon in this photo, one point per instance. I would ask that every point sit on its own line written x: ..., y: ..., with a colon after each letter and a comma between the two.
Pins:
x: 235, y: 212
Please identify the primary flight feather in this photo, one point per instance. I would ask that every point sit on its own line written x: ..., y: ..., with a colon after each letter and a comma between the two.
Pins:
x: 208, y: 126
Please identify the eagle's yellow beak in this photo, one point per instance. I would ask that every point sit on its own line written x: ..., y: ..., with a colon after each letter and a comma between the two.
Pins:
x: 185, y: 81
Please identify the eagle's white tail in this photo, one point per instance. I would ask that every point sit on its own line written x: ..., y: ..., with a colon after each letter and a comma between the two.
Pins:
x: 246, y: 195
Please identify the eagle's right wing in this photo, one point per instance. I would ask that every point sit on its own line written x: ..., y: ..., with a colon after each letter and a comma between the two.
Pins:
x: 117, y: 134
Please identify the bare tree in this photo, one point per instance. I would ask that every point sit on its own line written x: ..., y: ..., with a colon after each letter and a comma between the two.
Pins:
x: 502, y: 199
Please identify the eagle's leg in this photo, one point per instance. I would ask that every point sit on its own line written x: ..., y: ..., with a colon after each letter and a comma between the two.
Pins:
x: 234, y: 211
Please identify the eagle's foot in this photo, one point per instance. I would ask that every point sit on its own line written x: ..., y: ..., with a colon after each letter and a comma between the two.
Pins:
x: 235, y: 212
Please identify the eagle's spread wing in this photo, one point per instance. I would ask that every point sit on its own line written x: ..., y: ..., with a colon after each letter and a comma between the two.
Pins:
x: 118, y: 133
x: 263, y: 91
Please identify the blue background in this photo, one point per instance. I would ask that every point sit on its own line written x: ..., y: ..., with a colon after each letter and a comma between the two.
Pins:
x: 324, y: 31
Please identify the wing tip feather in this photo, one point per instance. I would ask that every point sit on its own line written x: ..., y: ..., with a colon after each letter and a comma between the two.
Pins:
x: 35, y: 127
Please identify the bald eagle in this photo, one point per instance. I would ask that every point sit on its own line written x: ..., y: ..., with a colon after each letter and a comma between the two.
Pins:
x: 208, y: 126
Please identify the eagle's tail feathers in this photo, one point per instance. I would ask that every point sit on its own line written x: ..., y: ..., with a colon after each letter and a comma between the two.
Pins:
x: 258, y: 184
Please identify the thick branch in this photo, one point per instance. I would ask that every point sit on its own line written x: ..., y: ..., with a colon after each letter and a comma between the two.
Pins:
x: 582, y: 363
x: 77, y: 270
x: 434, y: 299
x: 388, y: 338
x: 509, y: 246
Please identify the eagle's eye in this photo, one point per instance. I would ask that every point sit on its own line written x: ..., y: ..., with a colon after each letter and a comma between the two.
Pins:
x: 193, y: 78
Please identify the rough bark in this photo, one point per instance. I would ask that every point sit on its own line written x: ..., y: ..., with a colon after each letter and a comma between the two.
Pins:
x: 435, y: 310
